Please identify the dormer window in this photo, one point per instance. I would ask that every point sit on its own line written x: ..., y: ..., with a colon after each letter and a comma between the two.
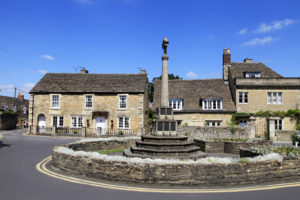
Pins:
x: 176, y: 104
x: 211, y: 104
x: 252, y: 74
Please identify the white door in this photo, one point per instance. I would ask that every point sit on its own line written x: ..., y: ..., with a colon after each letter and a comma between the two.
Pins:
x: 100, y: 125
x: 42, y: 123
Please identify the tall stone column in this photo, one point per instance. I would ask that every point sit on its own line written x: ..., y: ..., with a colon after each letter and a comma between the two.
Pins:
x: 252, y: 127
x: 164, y: 101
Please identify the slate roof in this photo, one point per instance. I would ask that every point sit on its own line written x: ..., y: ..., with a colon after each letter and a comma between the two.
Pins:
x: 237, y: 70
x: 9, y: 101
x: 91, y: 83
x: 191, y: 91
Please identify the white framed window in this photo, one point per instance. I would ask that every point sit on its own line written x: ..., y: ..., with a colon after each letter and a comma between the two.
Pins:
x: 274, y: 98
x: 243, y: 122
x: 123, y: 123
x: 211, y: 104
x: 55, y: 101
x: 15, y: 108
x: 278, y: 124
x: 76, y: 122
x: 122, y: 101
x: 176, y: 104
x: 243, y: 97
x: 252, y: 74
x: 88, y: 101
x: 6, y: 107
x: 57, y: 121
x: 213, y: 123
x: 25, y: 110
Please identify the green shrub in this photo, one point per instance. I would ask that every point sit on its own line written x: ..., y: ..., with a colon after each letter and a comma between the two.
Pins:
x: 243, y: 160
x: 294, y: 138
x: 121, y: 133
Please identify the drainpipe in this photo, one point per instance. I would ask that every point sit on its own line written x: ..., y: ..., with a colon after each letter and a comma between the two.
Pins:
x: 32, y: 103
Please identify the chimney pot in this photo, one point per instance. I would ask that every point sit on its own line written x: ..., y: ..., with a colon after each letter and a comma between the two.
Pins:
x: 21, y: 96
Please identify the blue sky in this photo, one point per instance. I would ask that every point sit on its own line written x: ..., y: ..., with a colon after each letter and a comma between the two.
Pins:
x: 121, y: 36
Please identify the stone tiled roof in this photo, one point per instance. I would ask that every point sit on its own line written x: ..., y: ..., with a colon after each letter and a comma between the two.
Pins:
x: 238, y: 69
x: 191, y: 91
x: 91, y: 83
x: 9, y: 101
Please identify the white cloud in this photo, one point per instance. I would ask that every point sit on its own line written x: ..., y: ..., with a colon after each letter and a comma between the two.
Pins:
x: 86, y: 2
x: 7, y: 87
x: 41, y: 71
x: 259, y: 41
x: 191, y: 74
x: 243, y: 31
x: 276, y: 25
x: 29, y: 85
x: 47, y: 57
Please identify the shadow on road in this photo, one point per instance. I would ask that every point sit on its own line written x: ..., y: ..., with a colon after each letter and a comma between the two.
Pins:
x: 4, y: 145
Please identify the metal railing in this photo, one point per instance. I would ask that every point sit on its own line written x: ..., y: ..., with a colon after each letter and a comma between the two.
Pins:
x: 84, y: 132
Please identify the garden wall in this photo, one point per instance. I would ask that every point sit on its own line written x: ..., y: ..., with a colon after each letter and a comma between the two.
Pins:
x: 284, y: 136
x: 134, y: 170
x: 214, y: 132
x: 231, y: 147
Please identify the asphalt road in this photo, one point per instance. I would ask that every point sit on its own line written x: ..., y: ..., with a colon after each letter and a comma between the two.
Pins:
x: 20, y: 180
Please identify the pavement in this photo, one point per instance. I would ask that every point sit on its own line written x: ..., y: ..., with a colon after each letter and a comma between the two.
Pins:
x: 19, y: 178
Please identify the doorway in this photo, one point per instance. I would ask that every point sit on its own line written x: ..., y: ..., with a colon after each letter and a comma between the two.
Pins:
x: 100, y: 125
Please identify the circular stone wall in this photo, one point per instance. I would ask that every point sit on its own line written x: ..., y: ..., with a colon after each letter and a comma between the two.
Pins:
x: 205, y: 171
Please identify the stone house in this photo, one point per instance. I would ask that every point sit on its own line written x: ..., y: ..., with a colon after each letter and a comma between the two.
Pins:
x: 246, y: 88
x: 97, y: 103
x: 19, y: 106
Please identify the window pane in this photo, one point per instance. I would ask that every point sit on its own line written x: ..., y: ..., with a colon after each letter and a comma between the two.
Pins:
x: 126, y: 122
x: 240, y: 97
x: 54, y: 121
x: 274, y: 98
x: 61, y: 121
x: 55, y: 101
x: 80, y: 122
x: 279, y: 97
x: 74, y: 122
x: 269, y: 97
x: 170, y: 104
x: 120, y: 122
x: 88, y: 101
x: 246, y: 97
x: 122, y: 101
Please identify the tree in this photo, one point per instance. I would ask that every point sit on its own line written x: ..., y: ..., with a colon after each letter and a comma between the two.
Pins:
x: 151, y: 84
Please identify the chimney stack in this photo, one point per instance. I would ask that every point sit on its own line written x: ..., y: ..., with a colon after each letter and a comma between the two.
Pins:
x: 226, y: 63
x: 84, y: 71
x: 248, y: 60
x: 143, y: 71
x: 21, y: 97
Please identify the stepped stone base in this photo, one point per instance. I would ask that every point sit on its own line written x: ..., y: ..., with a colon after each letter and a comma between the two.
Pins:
x: 164, y: 147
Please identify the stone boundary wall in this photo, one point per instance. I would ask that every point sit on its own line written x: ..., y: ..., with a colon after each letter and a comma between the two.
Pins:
x: 228, y: 146
x: 210, y: 146
x: 234, y: 147
x: 101, y: 145
x: 284, y: 136
x: 214, y: 132
x: 176, y: 174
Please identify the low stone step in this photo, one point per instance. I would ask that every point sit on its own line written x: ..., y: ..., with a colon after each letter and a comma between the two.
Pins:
x: 163, y: 152
x: 194, y: 155
x: 164, y: 139
x: 163, y: 146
